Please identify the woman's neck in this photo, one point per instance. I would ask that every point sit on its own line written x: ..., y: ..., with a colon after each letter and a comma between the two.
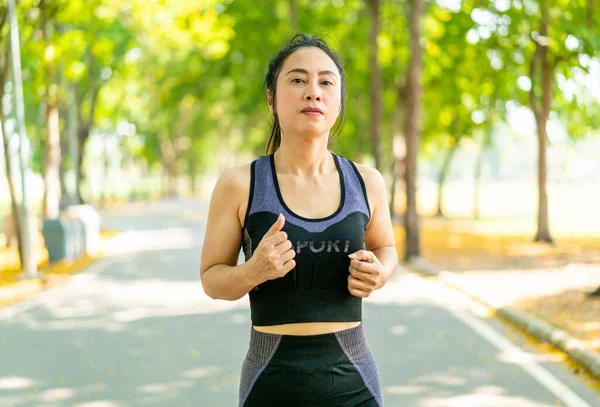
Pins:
x: 306, y: 160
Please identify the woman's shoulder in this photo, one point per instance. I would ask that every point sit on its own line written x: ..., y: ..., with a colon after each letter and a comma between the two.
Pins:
x: 374, y: 184
x: 235, y: 183
x: 236, y: 178
x: 370, y: 175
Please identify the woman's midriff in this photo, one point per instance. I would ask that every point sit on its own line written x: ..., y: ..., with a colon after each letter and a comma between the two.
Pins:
x: 307, y: 328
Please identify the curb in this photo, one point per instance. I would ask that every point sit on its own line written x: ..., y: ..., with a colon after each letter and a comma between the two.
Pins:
x: 22, y: 289
x: 537, y: 327
x: 17, y: 291
x: 26, y: 288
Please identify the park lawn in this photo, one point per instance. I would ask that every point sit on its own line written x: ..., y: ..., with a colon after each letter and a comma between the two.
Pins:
x: 464, y: 245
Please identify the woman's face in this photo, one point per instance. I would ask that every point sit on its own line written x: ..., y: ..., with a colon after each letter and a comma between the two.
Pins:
x: 308, y: 79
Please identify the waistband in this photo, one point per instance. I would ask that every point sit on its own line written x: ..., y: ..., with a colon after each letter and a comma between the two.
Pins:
x: 284, y: 307
x: 307, y: 348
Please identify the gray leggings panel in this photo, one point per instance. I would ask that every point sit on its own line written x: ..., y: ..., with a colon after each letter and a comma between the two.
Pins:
x: 261, y: 350
x: 354, y: 345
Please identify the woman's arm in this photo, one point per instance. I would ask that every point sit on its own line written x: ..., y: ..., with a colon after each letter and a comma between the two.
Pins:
x: 371, y: 268
x: 379, y: 235
x: 220, y: 275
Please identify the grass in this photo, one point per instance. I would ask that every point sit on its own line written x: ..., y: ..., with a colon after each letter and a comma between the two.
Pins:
x: 465, y: 245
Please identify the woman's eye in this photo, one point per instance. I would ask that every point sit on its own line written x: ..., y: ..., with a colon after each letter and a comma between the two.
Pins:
x: 297, y: 80
x: 327, y: 83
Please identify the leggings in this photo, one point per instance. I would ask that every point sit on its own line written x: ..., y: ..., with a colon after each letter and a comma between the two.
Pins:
x: 334, y: 370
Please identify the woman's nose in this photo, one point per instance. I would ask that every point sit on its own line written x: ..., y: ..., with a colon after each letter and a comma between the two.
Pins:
x: 313, y: 93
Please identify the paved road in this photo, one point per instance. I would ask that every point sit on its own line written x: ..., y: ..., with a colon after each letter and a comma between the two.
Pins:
x: 136, y: 330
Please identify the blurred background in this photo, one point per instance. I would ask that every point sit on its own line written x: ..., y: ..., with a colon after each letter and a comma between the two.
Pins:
x: 118, y: 116
x: 147, y: 99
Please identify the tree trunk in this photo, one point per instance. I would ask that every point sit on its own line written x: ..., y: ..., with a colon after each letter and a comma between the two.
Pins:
x: 66, y: 110
x: 413, y: 111
x: 4, y: 67
x: 169, y: 159
x: 193, y: 175
x: 74, y: 149
x: 65, y: 197
x: 172, y: 181
x: 169, y: 182
x: 64, y: 191
x: 486, y: 144
x: 173, y: 147
x: 398, y: 141
x: 51, y: 167
x: 51, y: 163
x: 543, y: 232
x: 11, y: 183
x: 398, y: 148
x: 375, y: 82
x: 442, y: 177
x: 83, y: 133
x: 541, y: 118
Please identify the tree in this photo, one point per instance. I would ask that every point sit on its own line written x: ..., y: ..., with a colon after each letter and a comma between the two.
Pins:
x: 52, y: 156
x: 376, y: 110
x: 413, y: 111
x: 4, y: 70
x: 541, y: 75
x: 547, y: 39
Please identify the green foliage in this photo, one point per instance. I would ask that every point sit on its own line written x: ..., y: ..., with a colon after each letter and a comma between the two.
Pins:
x: 189, y: 75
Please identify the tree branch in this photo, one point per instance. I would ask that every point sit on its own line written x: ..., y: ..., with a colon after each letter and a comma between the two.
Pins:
x: 93, y: 101
x: 85, y: 89
x: 3, y: 15
x: 6, y: 57
x: 6, y: 63
x: 564, y: 57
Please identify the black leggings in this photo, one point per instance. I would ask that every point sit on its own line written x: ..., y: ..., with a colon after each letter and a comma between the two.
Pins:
x: 333, y: 370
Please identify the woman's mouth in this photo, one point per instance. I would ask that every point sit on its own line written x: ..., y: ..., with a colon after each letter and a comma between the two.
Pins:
x: 312, y: 111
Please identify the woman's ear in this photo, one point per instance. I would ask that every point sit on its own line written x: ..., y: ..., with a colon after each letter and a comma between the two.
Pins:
x: 270, y: 101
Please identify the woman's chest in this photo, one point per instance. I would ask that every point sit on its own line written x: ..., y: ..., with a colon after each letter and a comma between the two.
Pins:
x: 311, y: 200
x: 321, y: 251
x: 337, y: 237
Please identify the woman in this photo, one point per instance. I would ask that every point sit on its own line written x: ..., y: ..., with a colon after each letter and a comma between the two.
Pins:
x: 317, y: 236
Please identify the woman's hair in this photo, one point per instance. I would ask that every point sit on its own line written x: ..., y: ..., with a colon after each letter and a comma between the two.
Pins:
x: 300, y: 41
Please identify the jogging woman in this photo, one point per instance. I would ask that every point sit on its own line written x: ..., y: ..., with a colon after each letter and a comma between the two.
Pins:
x: 317, y: 237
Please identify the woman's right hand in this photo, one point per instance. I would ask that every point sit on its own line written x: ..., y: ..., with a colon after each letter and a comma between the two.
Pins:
x: 273, y: 257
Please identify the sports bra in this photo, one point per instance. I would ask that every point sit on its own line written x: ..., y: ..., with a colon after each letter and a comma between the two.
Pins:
x: 316, y: 289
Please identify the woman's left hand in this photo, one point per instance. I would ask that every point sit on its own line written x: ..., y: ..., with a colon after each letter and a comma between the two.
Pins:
x: 366, y: 273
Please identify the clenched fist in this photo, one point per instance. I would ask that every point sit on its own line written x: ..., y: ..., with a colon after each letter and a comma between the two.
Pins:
x: 273, y: 257
x: 366, y: 273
